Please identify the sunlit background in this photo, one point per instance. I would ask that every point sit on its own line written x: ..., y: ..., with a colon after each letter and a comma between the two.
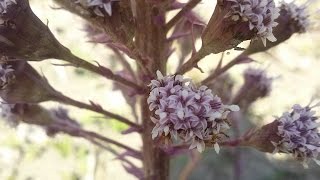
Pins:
x: 26, y: 153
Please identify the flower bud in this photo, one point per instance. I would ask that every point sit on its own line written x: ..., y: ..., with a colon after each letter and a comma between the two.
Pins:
x: 256, y: 85
x: 23, y: 35
x: 187, y: 113
x: 235, y: 21
x: 292, y: 19
x: 27, y: 86
x: 294, y: 133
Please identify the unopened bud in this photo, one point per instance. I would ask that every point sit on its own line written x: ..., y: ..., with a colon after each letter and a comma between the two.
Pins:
x: 256, y: 85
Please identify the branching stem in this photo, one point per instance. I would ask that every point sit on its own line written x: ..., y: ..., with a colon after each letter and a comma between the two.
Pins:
x: 90, y: 135
x: 192, y: 62
x: 219, y: 71
x: 98, y: 109
x: 188, y: 7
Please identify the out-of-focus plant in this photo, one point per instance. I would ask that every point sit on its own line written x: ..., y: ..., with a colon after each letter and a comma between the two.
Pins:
x: 172, y: 113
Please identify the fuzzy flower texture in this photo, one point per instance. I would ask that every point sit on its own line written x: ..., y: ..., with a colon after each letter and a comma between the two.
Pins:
x: 298, y: 14
x: 299, y: 134
x: 259, y: 79
x: 183, y: 111
x: 4, y: 5
x: 99, y: 6
x: 260, y: 14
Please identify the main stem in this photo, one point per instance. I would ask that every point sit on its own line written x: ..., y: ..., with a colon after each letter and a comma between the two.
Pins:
x: 155, y: 161
x: 150, y: 40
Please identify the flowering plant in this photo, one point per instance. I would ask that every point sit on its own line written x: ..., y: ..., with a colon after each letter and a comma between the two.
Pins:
x: 174, y: 114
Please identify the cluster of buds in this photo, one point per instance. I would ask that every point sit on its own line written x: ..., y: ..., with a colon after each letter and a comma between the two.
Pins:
x: 294, y: 133
x: 234, y: 21
x: 183, y: 111
x: 100, y: 7
x: 257, y: 84
x: 292, y: 19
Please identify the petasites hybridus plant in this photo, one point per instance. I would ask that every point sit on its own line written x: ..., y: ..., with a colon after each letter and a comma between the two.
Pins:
x: 172, y: 114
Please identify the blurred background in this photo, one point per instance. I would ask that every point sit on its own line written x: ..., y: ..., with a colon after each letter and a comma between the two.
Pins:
x: 26, y: 153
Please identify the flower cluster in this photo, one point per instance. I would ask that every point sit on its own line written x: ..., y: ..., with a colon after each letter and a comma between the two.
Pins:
x: 299, y: 134
x: 256, y: 85
x: 260, y: 14
x: 298, y: 15
x: 184, y: 111
x: 259, y: 79
x: 99, y: 6
x: 4, y: 5
x: 6, y: 75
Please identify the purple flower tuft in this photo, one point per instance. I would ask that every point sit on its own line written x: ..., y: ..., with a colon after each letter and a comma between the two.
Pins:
x: 4, y: 5
x: 259, y: 79
x: 186, y: 112
x: 299, y: 134
x: 260, y: 14
x: 298, y: 14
